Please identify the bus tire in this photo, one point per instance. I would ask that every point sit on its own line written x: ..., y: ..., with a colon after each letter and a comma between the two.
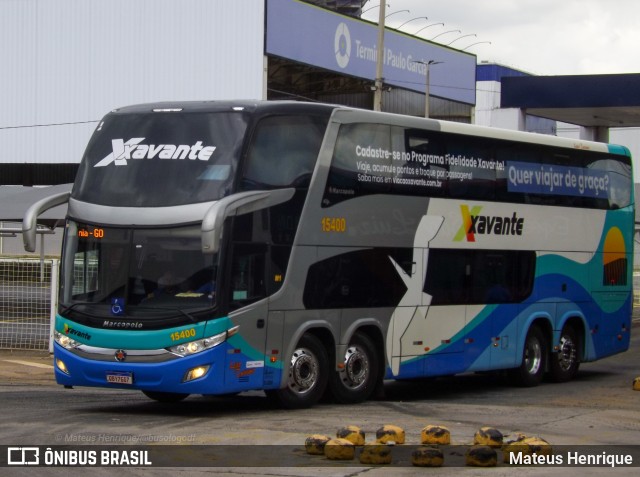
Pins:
x: 534, y: 360
x: 166, y: 398
x: 356, y: 381
x: 308, y: 375
x: 564, y: 364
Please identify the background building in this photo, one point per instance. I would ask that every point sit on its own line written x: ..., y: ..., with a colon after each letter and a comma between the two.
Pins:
x: 65, y: 63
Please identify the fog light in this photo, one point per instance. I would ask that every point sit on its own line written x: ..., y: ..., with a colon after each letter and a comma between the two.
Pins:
x: 195, y: 373
x: 61, y: 366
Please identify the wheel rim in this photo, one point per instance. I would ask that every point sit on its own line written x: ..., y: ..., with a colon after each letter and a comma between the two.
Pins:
x: 567, y: 353
x: 304, y: 372
x: 533, y: 357
x: 356, y: 371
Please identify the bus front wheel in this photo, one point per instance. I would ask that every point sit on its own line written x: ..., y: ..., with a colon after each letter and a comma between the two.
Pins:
x: 307, y: 375
x: 534, y: 360
x: 356, y: 379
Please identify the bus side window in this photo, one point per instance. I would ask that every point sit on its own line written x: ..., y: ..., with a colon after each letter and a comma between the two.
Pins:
x: 358, y: 279
x: 448, y: 277
x: 466, y: 277
x: 247, y: 280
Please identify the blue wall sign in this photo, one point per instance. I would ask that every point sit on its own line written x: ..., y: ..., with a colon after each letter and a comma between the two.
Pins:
x: 318, y: 37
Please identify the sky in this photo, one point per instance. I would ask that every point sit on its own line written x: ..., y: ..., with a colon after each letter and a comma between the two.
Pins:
x: 542, y: 37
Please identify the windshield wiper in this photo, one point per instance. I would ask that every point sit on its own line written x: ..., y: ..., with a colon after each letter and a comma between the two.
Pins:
x: 66, y: 309
x: 176, y: 309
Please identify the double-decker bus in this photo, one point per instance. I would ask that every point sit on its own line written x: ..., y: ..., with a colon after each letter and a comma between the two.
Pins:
x: 305, y: 249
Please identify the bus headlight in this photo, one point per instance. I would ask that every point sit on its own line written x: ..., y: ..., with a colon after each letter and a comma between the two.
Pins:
x: 64, y: 341
x: 197, y: 346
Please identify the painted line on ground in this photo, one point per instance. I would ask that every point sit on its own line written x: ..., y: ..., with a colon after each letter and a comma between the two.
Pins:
x: 28, y: 363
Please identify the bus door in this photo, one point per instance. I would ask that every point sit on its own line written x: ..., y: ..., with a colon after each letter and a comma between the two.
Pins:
x: 423, y: 329
x: 446, y: 290
x: 245, y: 289
x: 259, y: 245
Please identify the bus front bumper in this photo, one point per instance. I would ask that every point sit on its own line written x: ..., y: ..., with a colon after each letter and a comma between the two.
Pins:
x: 201, y: 373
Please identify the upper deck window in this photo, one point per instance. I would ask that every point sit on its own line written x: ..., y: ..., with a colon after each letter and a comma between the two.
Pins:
x: 161, y: 159
x: 372, y: 158
x: 283, y: 151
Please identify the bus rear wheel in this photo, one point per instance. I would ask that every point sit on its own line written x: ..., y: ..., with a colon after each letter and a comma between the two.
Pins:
x: 308, y: 375
x: 534, y: 360
x: 564, y: 364
x: 356, y: 380
x: 166, y: 398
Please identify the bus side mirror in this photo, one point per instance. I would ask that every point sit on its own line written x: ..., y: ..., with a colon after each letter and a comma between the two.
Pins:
x: 237, y: 204
x: 30, y: 220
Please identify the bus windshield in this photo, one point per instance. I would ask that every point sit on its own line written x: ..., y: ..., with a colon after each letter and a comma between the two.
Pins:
x: 120, y: 273
x: 142, y: 156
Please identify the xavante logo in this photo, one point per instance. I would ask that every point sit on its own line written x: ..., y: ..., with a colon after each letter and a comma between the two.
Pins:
x: 80, y: 334
x: 474, y: 223
x: 132, y: 149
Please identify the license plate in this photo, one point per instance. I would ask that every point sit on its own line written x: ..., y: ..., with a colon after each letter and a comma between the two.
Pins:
x: 119, y: 377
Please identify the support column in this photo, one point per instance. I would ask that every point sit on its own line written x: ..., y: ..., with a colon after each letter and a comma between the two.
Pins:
x: 595, y: 133
x: 602, y: 134
x: 377, y: 95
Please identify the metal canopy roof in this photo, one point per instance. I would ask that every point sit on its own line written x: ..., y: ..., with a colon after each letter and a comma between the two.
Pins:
x: 590, y: 100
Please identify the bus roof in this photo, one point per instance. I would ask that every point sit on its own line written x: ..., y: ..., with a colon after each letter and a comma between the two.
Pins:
x: 344, y: 114
x: 225, y: 105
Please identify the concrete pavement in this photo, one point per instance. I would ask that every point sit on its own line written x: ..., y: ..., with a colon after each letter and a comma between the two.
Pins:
x: 26, y: 367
